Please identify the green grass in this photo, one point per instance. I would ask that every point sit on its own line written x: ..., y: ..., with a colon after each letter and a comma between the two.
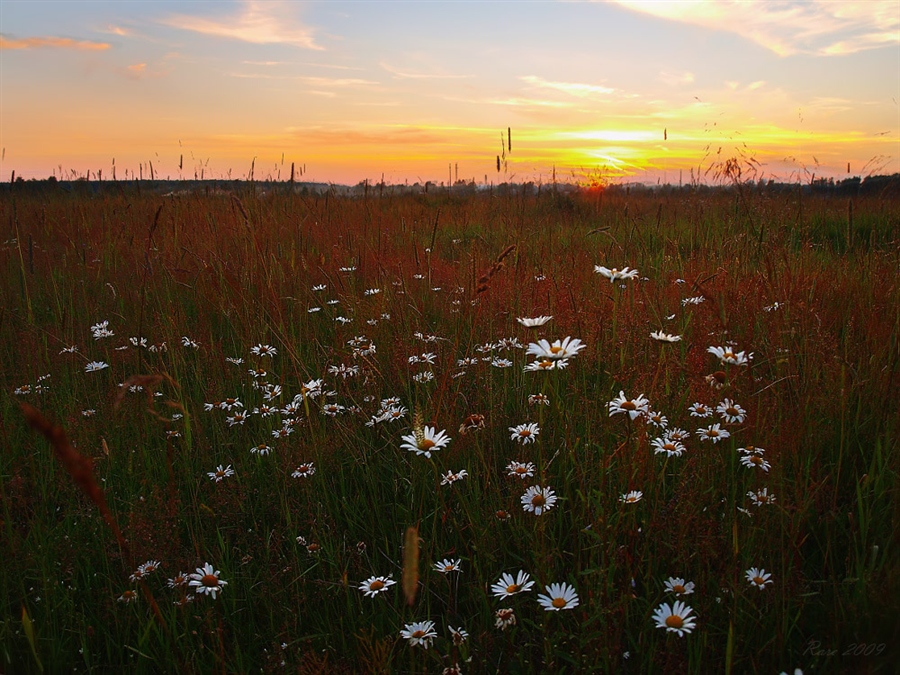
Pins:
x: 820, y: 394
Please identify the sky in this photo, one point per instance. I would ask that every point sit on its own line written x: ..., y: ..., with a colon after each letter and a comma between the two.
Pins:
x: 628, y: 90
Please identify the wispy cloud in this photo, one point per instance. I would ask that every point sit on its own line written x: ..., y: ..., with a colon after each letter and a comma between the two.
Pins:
x: 674, y: 79
x: 572, y: 88
x: 529, y: 103
x: 257, y: 22
x: 788, y: 27
x: 53, y: 43
x: 407, y: 75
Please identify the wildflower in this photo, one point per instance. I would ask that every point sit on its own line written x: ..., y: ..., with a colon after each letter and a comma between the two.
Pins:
x: 446, y: 566
x: 656, y: 419
x: 504, y: 618
x: 524, y: 433
x: 393, y: 413
x: 311, y: 389
x: 727, y: 355
x: 94, y: 366
x: 521, y: 470
x: 206, y: 580
x: 502, y: 515
x: 615, y: 273
x: 230, y: 403
x: 659, y: 336
x: 304, y: 470
x: 69, y: 350
x: 506, y: 586
x: 731, y: 412
x: 375, y: 585
x: 634, y: 408
x: 425, y: 441
x: 564, y: 349
x: 238, y: 418
x: 344, y: 371
x: 700, y: 410
x: 90, y: 412
x: 713, y: 433
x: 420, y: 633
x: 127, y: 597
x: 533, y: 322
x: 372, y: 291
x: 759, y: 577
x: 717, y: 379
x: 332, y: 409
x: 220, y: 474
x: 676, y: 434
x: 458, y: 635
x: 761, y: 497
x: 236, y: 361
x: 264, y: 350
x: 543, y: 364
x: 101, y: 330
x: 693, y: 301
x: 320, y: 287
x: 536, y: 399
x: 536, y: 499
x: 668, y: 446
x: 632, y: 497
x: 679, y: 587
x: 753, y: 458
x: 351, y: 268
x: 450, y: 477
x: 501, y: 363
x: 559, y: 596
x: 179, y: 580
x: 187, y: 342
x: 284, y: 432
x: 467, y: 361
x: 675, y: 618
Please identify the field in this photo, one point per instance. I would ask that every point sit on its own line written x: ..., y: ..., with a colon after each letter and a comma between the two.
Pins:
x: 227, y: 379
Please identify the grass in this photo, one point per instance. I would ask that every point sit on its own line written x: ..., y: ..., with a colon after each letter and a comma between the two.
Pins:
x: 816, y: 301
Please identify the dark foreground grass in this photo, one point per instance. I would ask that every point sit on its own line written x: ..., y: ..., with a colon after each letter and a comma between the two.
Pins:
x: 198, y: 279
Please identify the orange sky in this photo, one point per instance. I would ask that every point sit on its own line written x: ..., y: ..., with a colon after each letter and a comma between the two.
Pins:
x: 632, y: 90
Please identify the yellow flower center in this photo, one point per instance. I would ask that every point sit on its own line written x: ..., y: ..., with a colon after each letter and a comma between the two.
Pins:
x: 521, y: 469
x: 376, y: 585
x: 756, y: 459
x: 525, y: 433
x: 555, y: 349
x: 629, y: 405
x: 670, y: 447
x: 712, y: 432
x: 538, y: 500
x: 512, y: 588
x: 759, y: 581
x: 732, y: 412
x: 559, y: 603
x: 546, y: 363
x: 678, y: 588
x: 418, y: 634
x: 763, y: 498
x: 674, y: 621
x: 210, y: 580
x: 426, y: 444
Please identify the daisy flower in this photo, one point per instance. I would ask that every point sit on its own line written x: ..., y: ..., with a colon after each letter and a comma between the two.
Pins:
x: 450, y: 477
x: 304, y: 470
x: 264, y: 350
x: 563, y: 349
x: 633, y: 408
x: 206, y: 580
x: 675, y: 618
x: 713, y: 433
x: 533, y: 322
x: 419, y: 633
x: 759, y: 577
x: 753, y: 459
x: 446, y: 566
x: 543, y: 364
x: 538, y: 399
x: 728, y: 355
x: 731, y: 412
x: 149, y: 567
x: 524, y: 433
x: 458, y: 635
x: 761, y: 497
x: 127, y: 597
x: 559, y: 596
x: 615, y: 273
x: 521, y: 470
x: 424, y: 442
x: 676, y: 434
x: 220, y: 474
x: 668, y: 446
x: 632, y: 497
x: 536, y: 500
x: 660, y: 336
x: 679, y: 587
x: 656, y: 419
x: 375, y: 585
x: 94, y: 366
x: 506, y: 586
x: 700, y: 410
x: 504, y: 618
x: 693, y: 301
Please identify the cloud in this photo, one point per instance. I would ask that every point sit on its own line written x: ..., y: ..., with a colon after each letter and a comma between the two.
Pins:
x: 406, y: 75
x: 571, y: 88
x: 258, y: 23
x: 676, y: 79
x: 52, y: 42
x: 787, y: 27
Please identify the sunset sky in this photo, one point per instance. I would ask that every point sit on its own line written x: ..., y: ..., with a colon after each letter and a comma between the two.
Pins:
x: 629, y: 90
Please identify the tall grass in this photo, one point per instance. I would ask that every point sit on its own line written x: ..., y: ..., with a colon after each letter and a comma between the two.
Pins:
x: 816, y: 298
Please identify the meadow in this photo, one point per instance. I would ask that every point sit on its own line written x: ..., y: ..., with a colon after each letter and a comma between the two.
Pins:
x: 264, y: 431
